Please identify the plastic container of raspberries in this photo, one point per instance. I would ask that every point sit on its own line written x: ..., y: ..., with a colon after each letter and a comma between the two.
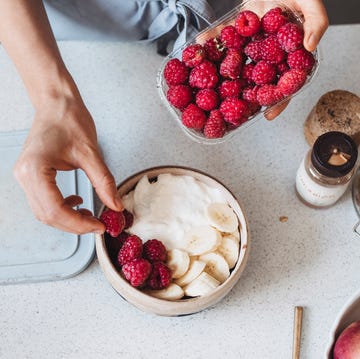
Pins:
x: 224, y: 79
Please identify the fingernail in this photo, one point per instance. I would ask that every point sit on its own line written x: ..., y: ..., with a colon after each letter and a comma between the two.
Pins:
x: 269, y: 114
x: 98, y: 231
x: 118, y: 202
x: 311, y: 43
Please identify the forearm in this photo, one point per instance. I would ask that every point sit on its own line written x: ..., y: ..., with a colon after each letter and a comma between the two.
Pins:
x: 26, y: 35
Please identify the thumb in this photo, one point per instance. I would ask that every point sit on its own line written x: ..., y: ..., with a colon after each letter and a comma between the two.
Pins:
x: 316, y: 22
x: 102, y: 181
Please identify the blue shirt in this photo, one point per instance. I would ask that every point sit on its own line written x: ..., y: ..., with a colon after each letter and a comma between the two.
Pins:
x: 130, y: 20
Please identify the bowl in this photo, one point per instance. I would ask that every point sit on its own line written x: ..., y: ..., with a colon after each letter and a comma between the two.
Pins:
x: 148, y: 303
x: 348, y: 314
x: 260, y: 7
x: 356, y: 198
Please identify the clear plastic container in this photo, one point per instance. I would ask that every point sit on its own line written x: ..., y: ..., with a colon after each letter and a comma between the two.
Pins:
x: 29, y: 250
x: 260, y: 8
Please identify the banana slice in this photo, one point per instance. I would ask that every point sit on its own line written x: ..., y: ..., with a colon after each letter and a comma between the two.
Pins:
x: 202, y: 285
x: 195, y: 269
x: 172, y: 292
x: 216, y: 266
x: 229, y: 249
x: 178, y: 261
x: 201, y: 239
x: 222, y: 217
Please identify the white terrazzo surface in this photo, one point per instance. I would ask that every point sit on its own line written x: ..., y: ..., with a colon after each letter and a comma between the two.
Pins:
x: 312, y: 260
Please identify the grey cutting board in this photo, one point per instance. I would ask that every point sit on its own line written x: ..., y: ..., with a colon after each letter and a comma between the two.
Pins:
x: 29, y: 250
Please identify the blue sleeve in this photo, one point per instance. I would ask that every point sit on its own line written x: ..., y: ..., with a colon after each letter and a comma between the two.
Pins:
x: 130, y: 20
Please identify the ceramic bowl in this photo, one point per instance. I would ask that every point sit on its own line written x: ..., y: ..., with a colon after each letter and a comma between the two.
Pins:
x: 351, y: 310
x: 180, y: 307
x: 348, y: 314
x: 356, y: 198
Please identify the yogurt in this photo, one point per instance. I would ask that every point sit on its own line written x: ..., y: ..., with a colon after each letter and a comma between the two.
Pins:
x: 168, y: 208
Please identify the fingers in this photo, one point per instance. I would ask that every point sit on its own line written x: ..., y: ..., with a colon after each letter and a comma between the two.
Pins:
x: 316, y: 22
x: 85, y: 212
x: 56, y: 211
x: 73, y: 200
x: 103, y: 181
x: 275, y: 110
x: 48, y: 204
x: 78, y: 222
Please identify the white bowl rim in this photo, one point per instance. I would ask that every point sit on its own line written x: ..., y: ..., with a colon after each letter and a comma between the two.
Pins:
x: 335, y: 327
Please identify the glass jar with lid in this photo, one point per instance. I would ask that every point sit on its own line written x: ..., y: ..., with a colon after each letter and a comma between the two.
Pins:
x: 327, y: 169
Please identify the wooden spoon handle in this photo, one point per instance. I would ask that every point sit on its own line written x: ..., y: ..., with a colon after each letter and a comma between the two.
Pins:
x: 297, y: 332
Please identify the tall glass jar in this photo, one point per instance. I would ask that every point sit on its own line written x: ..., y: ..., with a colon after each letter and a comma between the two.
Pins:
x: 326, y: 171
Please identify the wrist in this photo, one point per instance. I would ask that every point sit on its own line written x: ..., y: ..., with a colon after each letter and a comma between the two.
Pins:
x: 55, y: 84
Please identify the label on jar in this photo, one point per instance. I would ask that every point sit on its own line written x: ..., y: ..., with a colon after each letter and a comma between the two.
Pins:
x: 314, y: 193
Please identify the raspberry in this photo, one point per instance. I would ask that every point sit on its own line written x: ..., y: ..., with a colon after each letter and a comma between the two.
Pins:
x: 249, y: 94
x: 159, y: 277
x: 215, y: 126
x: 291, y: 81
x: 282, y: 67
x: 254, y: 107
x: 232, y: 64
x: 175, y: 72
x: 131, y: 249
x: 231, y: 88
x: 129, y: 218
x: 204, y: 75
x: 193, y: 117
x: 260, y: 36
x: 207, y: 99
x: 215, y: 51
x: 268, y: 95
x: 232, y: 126
x: 247, y: 23
x: 154, y: 251
x: 234, y: 110
x: 263, y: 73
x: 247, y: 70
x: 114, y: 222
x: 253, y: 50
x: 113, y: 245
x: 271, y: 50
x: 231, y: 38
x: 301, y: 59
x: 273, y: 20
x: 179, y: 96
x: 238, y: 122
x: 193, y: 55
x: 137, y: 271
x: 290, y: 37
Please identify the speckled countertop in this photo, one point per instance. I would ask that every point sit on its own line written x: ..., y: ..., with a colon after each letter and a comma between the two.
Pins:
x: 311, y: 260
